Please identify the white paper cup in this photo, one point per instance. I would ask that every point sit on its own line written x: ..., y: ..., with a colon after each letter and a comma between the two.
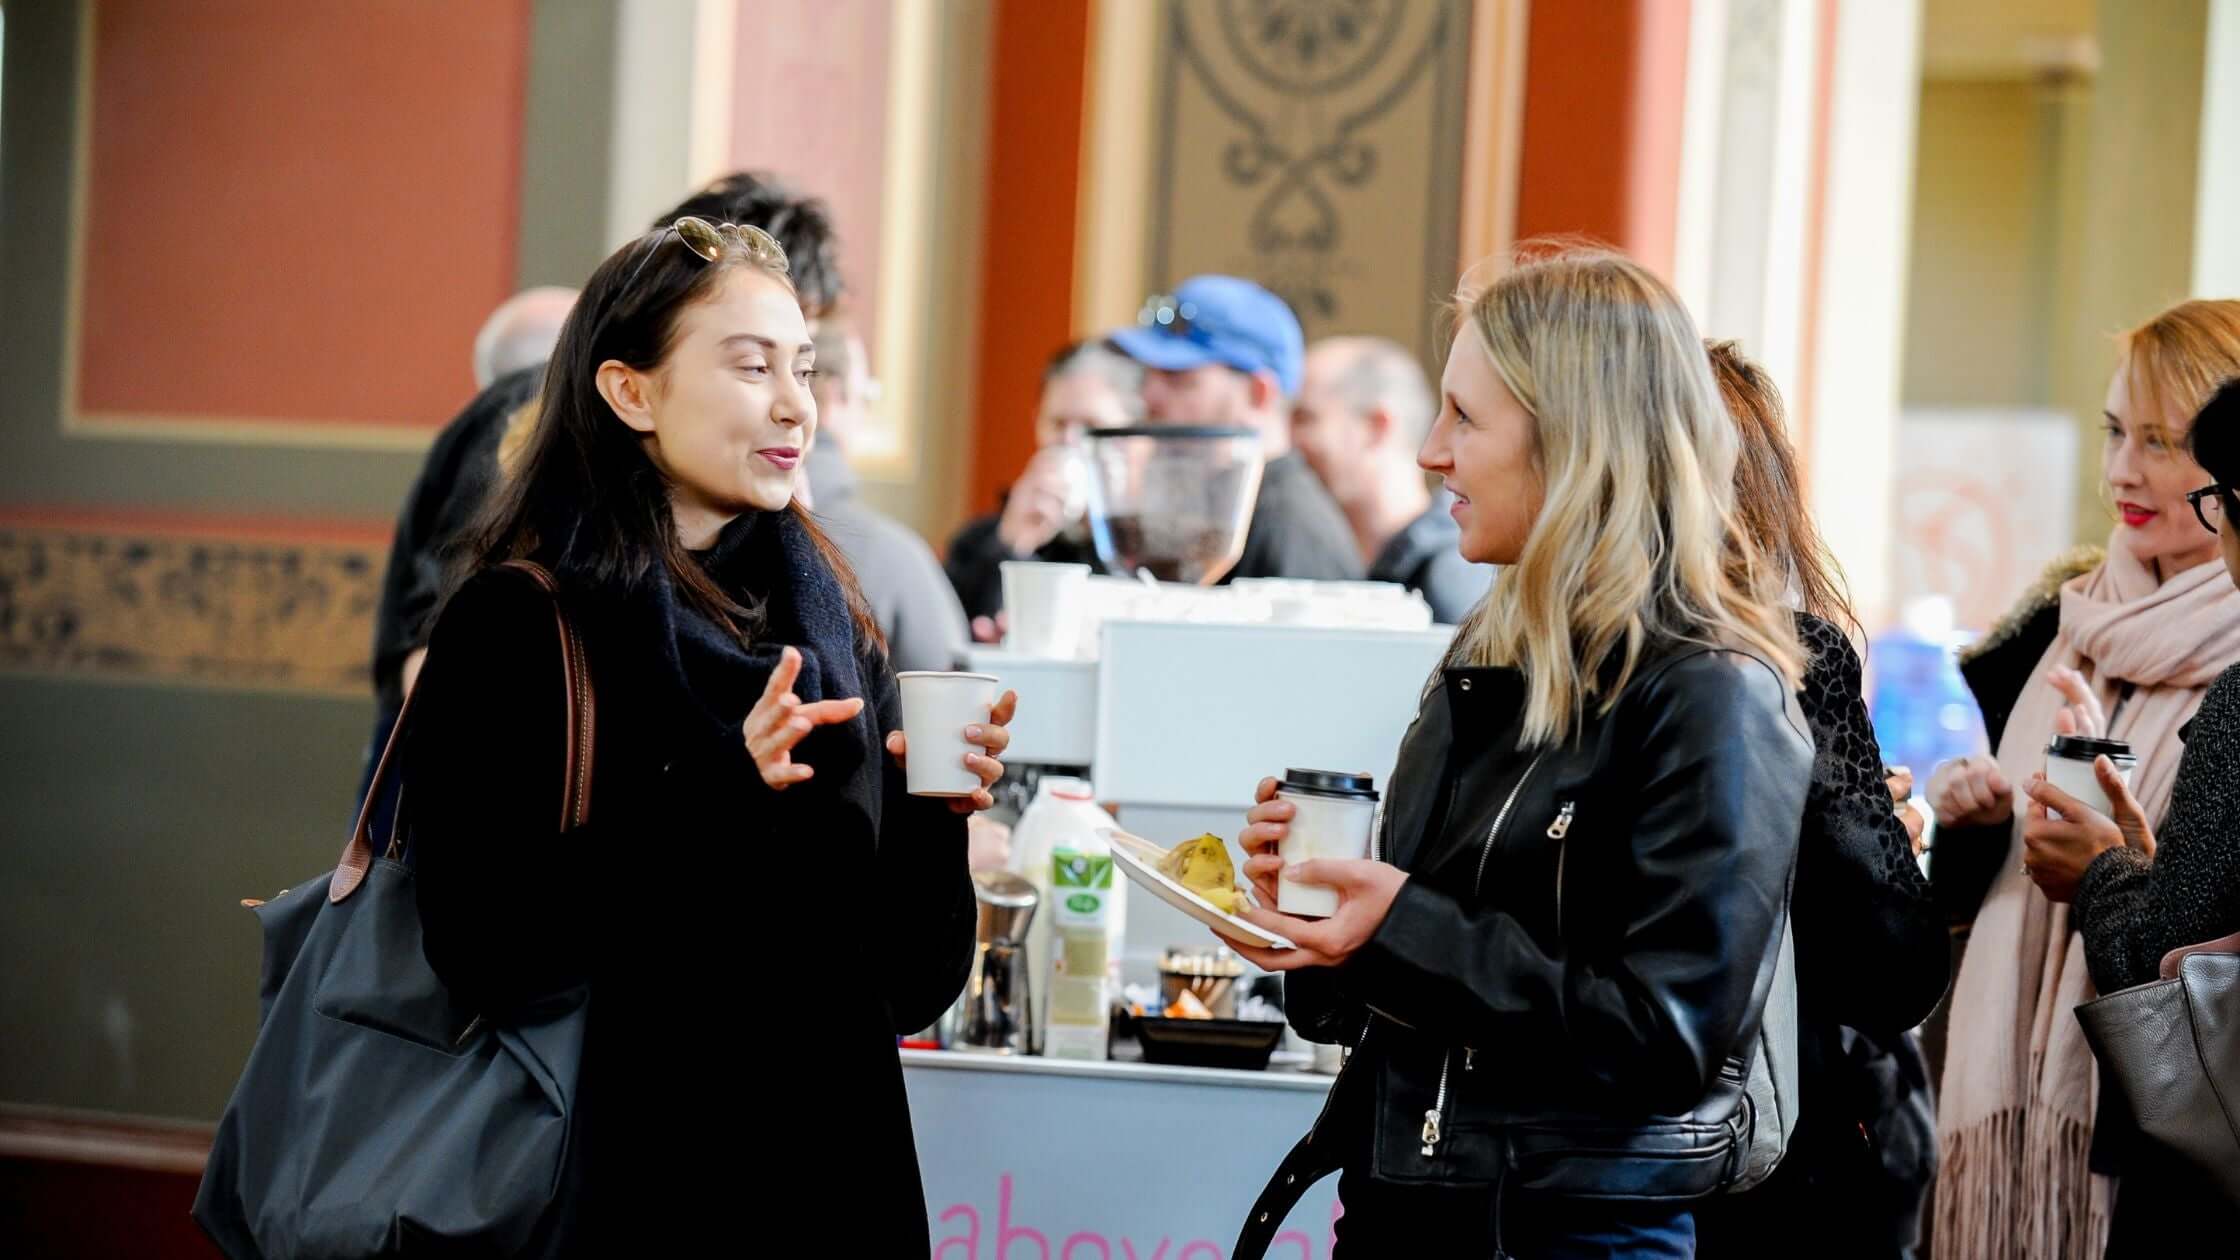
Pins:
x: 1329, y: 822
x: 936, y: 707
x: 1043, y: 603
x: 2069, y: 767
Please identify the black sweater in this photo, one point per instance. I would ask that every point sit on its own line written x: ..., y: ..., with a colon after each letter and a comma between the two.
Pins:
x: 750, y: 955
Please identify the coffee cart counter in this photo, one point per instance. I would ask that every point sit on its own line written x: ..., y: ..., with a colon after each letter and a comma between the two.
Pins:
x: 1044, y: 1159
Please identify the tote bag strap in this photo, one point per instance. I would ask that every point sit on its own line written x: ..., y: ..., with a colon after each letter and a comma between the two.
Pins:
x: 575, y: 776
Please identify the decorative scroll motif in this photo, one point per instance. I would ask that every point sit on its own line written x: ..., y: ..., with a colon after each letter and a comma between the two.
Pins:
x: 267, y: 615
x: 1324, y: 109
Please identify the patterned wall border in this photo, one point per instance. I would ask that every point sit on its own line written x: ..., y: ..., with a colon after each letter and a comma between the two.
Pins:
x: 256, y: 606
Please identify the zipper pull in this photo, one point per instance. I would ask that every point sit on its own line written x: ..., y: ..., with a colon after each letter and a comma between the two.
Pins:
x: 1562, y: 823
x: 1469, y: 1059
x: 1430, y: 1130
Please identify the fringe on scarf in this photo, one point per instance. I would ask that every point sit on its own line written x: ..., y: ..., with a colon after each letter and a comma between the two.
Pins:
x: 2019, y: 1186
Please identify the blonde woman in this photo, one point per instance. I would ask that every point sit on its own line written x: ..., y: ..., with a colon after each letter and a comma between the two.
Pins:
x: 2128, y: 648
x: 1554, y: 967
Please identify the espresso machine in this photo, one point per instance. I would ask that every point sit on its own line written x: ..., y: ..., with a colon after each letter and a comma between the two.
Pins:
x: 996, y: 1013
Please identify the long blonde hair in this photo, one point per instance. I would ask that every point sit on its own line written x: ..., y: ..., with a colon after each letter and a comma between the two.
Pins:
x: 1631, y: 550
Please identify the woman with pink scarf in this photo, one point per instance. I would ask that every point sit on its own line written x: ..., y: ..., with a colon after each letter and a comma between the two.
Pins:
x: 2133, y: 642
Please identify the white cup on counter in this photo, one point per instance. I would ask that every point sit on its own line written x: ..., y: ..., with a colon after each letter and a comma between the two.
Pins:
x: 1043, y: 603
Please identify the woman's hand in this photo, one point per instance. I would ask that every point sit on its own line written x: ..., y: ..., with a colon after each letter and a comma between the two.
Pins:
x: 987, y: 844
x: 993, y: 736
x: 1366, y: 890
x: 2056, y: 850
x: 1970, y: 792
x: 779, y: 720
x: 1266, y: 823
x: 2082, y: 715
x: 1900, y: 783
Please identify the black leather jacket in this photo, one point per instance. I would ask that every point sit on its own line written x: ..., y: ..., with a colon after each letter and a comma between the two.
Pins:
x: 1567, y: 989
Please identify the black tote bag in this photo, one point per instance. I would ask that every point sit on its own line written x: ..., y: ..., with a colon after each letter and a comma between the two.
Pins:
x: 375, y: 1116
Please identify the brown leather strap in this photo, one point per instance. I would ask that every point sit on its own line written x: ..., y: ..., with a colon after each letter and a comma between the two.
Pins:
x: 2222, y: 945
x: 575, y: 775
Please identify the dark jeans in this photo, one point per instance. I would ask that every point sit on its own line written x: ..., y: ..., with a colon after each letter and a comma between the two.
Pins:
x: 1386, y: 1220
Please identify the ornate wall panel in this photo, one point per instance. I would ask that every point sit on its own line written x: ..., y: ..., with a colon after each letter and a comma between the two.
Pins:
x: 1315, y: 146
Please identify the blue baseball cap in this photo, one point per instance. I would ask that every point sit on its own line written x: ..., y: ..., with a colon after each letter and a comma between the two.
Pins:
x: 1218, y: 320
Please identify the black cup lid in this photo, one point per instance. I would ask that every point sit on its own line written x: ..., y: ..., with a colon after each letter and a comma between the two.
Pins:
x: 2085, y: 748
x: 1331, y: 783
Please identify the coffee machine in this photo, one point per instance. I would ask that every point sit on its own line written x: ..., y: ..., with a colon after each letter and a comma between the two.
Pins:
x: 997, y: 1009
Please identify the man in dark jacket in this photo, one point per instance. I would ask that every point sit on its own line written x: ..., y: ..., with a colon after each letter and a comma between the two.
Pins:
x: 1226, y: 351
x: 1361, y: 415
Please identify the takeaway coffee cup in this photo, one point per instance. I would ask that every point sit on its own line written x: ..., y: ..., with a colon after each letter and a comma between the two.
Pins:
x: 2069, y: 761
x: 1334, y: 813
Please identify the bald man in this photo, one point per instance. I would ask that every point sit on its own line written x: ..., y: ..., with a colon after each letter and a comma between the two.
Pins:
x: 1363, y: 410
x: 520, y: 333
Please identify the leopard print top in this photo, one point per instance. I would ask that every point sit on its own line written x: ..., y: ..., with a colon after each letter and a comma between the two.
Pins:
x: 1872, y: 951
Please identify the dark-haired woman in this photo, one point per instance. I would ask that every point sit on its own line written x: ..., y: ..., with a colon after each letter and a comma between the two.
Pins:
x: 756, y: 907
x: 1872, y: 954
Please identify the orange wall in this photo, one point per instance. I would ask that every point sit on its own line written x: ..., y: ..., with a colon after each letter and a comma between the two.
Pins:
x: 1604, y: 94
x: 810, y: 106
x: 1037, y: 94
x: 297, y: 212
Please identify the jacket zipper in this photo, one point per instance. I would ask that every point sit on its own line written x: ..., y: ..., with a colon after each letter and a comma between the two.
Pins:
x: 1494, y: 833
x: 1557, y: 830
x: 1434, y: 1120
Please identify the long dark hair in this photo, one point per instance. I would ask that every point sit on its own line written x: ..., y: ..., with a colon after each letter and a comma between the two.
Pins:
x: 1768, y: 493
x: 584, y: 498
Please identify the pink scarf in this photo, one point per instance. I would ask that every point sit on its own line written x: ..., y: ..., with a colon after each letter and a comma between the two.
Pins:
x: 2015, y: 1115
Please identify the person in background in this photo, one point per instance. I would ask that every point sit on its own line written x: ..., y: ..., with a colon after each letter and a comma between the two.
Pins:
x: 1224, y: 351
x: 462, y: 465
x: 1363, y: 409
x: 910, y: 598
x: 2140, y: 891
x: 1086, y: 386
x: 1554, y: 973
x: 2140, y: 636
x: 747, y: 720
x: 1872, y: 956
x: 520, y: 333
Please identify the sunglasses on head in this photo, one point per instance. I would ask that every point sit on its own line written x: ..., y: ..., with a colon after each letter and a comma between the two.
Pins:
x: 1164, y: 313
x: 710, y: 240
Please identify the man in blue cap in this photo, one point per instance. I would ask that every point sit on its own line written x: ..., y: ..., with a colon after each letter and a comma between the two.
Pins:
x: 1225, y: 351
